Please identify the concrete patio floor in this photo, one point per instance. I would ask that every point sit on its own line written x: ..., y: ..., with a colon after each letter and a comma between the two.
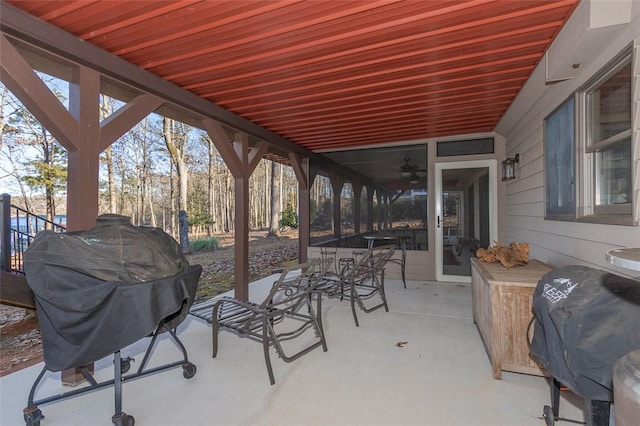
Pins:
x: 441, y: 376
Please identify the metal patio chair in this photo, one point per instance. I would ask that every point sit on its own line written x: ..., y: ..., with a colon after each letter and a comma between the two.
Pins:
x: 286, y: 313
x: 360, y: 280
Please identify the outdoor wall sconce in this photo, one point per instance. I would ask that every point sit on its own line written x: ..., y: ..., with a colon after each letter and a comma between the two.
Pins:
x: 509, y: 167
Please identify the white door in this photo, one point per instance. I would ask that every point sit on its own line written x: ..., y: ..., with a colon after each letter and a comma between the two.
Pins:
x: 466, y: 215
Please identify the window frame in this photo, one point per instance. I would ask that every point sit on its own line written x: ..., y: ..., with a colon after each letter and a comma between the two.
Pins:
x: 588, y: 148
x: 554, y: 212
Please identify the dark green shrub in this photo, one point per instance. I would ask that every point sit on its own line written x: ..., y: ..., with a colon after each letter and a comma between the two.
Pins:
x: 204, y: 244
x: 289, y: 218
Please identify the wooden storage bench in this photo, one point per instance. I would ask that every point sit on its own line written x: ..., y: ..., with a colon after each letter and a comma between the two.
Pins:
x: 502, y: 300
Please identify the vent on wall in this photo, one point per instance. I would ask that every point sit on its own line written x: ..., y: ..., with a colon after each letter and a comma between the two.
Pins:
x: 592, y: 27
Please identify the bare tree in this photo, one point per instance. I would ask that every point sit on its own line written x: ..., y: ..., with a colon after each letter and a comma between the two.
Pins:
x: 276, y: 201
x: 3, y: 102
x: 175, y: 137
x: 211, y: 184
x: 106, y: 109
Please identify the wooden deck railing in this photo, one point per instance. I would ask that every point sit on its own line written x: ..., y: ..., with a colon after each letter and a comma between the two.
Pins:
x: 18, y: 228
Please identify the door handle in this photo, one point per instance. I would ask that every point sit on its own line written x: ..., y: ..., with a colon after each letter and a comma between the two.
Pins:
x: 438, y: 223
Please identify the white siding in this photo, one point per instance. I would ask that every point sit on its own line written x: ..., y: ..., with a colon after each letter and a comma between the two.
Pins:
x: 555, y: 242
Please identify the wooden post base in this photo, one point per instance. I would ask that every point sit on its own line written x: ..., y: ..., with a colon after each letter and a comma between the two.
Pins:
x: 73, y: 376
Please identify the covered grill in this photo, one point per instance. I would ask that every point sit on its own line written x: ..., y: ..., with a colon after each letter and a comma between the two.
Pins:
x: 100, y: 290
x: 585, y: 320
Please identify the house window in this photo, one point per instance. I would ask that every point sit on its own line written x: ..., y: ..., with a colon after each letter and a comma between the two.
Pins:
x: 607, y: 141
x: 559, y: 164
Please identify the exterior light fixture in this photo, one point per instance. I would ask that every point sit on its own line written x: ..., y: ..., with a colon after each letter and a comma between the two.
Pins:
x: 509, y: 167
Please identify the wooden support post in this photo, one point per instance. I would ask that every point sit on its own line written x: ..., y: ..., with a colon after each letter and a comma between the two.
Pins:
x: 241, y: 246
x: 387, y: 216
x: 336, y: 184
x: 370, y: 213
x: 82, y: 185
x: 241, y: 161
x: 357, y: 193
x: 77, y: 129
x: 380, y: 212
x: 5, y: 232
x: 305, y: 180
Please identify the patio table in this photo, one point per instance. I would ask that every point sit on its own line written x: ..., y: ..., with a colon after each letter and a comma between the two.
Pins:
x: 628, y: 257
x: 401, y: 239
x: 625, y: 371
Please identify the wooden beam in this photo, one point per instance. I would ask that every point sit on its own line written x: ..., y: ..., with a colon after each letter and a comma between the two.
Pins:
x: 302, y: 172
x: 124, y: 119
x: 23, y: 26
x: 256, y: 154
x: 357, y: 193
x: 224, y: 145
x: 77, y: 129
x: 241, y: 161
x: 380, y: 214
x: 301, y: 168
x: 25, y: 85
x: 241, y: 244
x: 370, y: 218
x: 84, y: 162
x: 241, y: 253
x: 337, y: 182
x: 398, y: 195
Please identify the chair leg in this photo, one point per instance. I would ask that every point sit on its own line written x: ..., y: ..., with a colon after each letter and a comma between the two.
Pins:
x: 265, y: 347
x: 383, y: 295
x: 214, y: 335
x: 352, y: 297
x: 318, y: 321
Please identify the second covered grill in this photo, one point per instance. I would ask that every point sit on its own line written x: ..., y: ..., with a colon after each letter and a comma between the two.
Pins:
x: 585, y: 320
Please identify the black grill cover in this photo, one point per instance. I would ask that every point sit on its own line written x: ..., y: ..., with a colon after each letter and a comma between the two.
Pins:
x: 100, y: 290
x: 586, y: 319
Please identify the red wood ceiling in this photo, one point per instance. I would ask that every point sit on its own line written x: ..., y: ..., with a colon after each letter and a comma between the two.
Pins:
x: 331, y: 74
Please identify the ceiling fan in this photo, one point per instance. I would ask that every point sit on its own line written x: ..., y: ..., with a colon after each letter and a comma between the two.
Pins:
x: 409, y: 170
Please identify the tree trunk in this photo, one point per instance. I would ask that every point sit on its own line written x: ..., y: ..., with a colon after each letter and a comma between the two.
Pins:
x: 152, y: 212
x: 274, y: 223
x: 175, y: 142
x: 211, y: 187
x: 122, y: 182
x: 3, y: 100
x: 106, y: 109
x: 281, y: 198
x: 172, y: 204
x: 175, y: 145
x: 265, y: 212
x: 111, y: 181
x: 228, y: 209
x: 49, y: 192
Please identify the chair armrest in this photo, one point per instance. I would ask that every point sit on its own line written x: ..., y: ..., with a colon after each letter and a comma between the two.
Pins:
x: 232, y: 301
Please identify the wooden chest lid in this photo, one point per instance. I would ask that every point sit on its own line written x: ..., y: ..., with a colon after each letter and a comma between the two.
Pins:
x: 527, y: 274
